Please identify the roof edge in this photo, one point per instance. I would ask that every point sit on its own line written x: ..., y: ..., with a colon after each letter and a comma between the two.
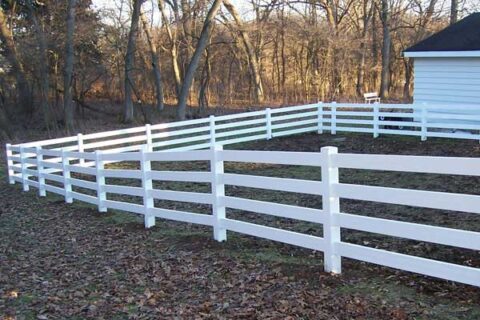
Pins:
x: 441, y: 54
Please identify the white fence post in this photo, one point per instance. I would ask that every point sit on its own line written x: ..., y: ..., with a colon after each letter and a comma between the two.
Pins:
x: 148, y: 133
x: 146, y: 167
x: 23, y: 165
x: 268, y: 117
x: 212, y: 131
x: 218, y: 191
x: 333, y: 118
x: 41, y: 178
x: 320, y: 117
x: 80, y: 148
x: 11, y: 172
x: 101, y: 194
x: 331, y: 207
x: 424, y: 121
x: 67, y: 184
x: 376, y: 120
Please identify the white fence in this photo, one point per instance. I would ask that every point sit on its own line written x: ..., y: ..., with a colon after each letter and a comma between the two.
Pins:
x: 330, y: 189
x: 424, y: 121
x: 67, y: 165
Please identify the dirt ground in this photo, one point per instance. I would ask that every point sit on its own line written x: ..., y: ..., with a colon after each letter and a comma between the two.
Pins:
x: 61, y: 261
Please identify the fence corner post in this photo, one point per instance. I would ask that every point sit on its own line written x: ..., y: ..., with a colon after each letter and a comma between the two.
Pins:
x: 11, y: 172
x: 80, y: 148
x: 320, y: 117
x: 376, y: 120
x: 218, y: 192
x: 333, y: 118
x: 41, y: 177
x: 147, y: 184
x: 100, y: 176
x: 268, y: 119
x: 67, y: 183
x: 424, y: 122
x: 331, y: 208
x: 148, y: 135
x: 212, y: 131
x: 23, y: 165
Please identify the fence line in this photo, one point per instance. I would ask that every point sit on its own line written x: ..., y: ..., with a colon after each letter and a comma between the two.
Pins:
x: 55, y: 165
x: 377, y: 119
x: 330, y: 189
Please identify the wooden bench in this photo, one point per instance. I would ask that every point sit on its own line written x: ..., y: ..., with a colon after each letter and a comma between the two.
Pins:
x: 371, y: 97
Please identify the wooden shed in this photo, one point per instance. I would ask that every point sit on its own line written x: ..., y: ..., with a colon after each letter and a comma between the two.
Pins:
x: 447, y: 65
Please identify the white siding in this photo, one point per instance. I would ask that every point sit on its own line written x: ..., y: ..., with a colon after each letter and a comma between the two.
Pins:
x: 447, y: 80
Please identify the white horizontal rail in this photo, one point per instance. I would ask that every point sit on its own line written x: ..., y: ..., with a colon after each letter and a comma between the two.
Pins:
x: 179, y: 124
x: 295, y: 116
x: 84, y: 198
x: 126, y: 190
x: 239, y: 132
x: 289, y: 237
x: 168, y: 134
x: 275, y: 209
x: 181, y: 176
x: 175, y: 215
x: 438, y: 165
x: 406, y: 197
x: 182, y: 196
x: 240, y: 140
x: 243, y: 123
x: 410, y: 263
x: 123, y: 173
x: 270, y: 183
x: 124, y: 206
x: 273, y: 157
x: 83, y: 183
x: 413, y: 231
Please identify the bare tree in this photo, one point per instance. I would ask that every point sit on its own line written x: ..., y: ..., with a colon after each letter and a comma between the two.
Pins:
x: 10, y: 52
x: 253, y: 62
x: 130, y: 61
x: 193, y: 65
x: 172, y: 37
x: 68, y: 70
x: 386, y: 48
x: 155, y: 63
x: 43, y: 67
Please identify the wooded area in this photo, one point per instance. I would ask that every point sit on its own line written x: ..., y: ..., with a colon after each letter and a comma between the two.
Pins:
x: 62, y: 59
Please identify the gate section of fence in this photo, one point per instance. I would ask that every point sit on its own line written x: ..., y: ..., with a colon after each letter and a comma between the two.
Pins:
x: 90, y: 177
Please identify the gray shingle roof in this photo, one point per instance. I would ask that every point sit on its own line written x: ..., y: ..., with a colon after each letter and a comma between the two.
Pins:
x: 461, y: 36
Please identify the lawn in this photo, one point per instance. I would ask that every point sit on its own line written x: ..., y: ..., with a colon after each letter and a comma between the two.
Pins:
x: 62, y: 261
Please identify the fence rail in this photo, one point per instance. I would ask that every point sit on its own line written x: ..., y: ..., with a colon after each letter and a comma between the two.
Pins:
x: 77, y: 168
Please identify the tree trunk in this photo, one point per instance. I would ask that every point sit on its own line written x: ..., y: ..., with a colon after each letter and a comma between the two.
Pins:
x: 454, y: 11
x: 408, y: 79
x: 367, y: 15
x: 155, y: 64
x: 130, y: 61
x: 23, y: 89
x: 43, y: 65
x: 386, y: 45
x: 173, y: 48
x: 252, y: 58
x: 68, y: 71
x: 193, y: 65
x: 203, y: 95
